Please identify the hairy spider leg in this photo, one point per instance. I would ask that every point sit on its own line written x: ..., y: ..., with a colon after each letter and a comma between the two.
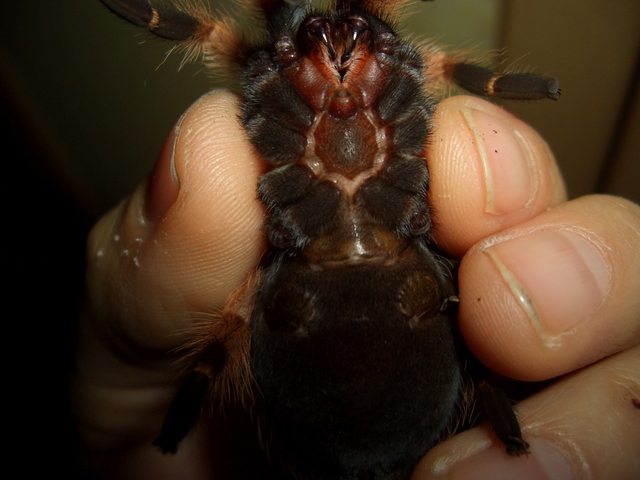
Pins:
x: 444, y: 68
x: 203, y: 33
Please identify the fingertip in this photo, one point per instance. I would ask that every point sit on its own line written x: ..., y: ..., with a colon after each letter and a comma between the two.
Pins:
x: 489, y: 171
x: 163, y: 186
x: 479, y: 460
x: 583, y: 426
x: 172, y: 250
x: 526, y: 301
x: 554, y: 293
x: 215, y: 223
x: 492, y: 321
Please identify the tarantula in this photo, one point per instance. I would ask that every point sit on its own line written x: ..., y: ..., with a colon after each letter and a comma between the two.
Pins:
x: 344, y: 344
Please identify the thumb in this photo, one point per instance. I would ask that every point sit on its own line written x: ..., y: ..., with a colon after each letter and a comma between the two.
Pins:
x: 157, y: 264
x: 186, y: 238
x: 583, y: 427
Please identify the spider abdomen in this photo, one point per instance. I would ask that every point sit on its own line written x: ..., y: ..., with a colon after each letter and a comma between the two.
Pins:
x: 356, y: 363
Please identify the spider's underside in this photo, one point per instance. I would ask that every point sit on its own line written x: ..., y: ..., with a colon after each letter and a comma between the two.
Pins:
x: 344, y: 342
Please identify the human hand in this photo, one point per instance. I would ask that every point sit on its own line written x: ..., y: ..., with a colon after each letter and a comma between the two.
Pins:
x: 159, y: 262
x: 547, y: 287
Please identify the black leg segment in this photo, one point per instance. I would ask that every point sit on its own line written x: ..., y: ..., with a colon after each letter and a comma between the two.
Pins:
x: 502, y: 418
x: 162, y: 22
x: 513, y: 86
x: 184, y: 411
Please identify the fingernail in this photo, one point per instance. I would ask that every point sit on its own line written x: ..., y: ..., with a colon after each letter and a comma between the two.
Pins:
x: 506, y: 161
x: 164, y: 186
x: 558, y: 277
x: 543, y: 463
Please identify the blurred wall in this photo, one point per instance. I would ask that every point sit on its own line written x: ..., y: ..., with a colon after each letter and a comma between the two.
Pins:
x: 101, y: 95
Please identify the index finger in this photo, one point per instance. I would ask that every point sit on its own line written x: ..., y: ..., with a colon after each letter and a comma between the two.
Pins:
x: 489, y: 171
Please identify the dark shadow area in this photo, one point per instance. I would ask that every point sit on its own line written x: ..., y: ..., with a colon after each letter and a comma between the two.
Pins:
x: 43, y: 263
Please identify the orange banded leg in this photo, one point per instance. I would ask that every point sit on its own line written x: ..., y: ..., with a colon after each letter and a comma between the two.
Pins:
x: 513, y: 86
x: 443, y: 68
x: 200, y: 31
x: 163, y: 22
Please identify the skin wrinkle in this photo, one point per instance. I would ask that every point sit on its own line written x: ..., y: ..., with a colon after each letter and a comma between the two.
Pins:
x: 585, y: 233
x: 456, y: 172
x: 550, y: 340
x: 630, y: 387
x: 594, y: 239
x: 205, y: 179
x: 554, y: 430
x: 618, y: 386
x: 478, y: 141
x: 521, y: 296
x: 528, y: 150
x: 502, y: 310
x: 635, y: 227
x: 536, y: 181
x: 614, y: 388
x: 460, y: 152
x: 178, y: 128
